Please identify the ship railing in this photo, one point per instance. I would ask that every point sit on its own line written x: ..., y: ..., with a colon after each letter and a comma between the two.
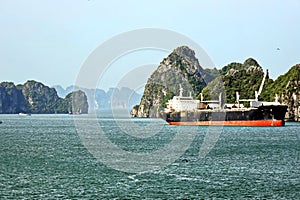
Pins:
x: 247, y: 100
x: 212, y: 101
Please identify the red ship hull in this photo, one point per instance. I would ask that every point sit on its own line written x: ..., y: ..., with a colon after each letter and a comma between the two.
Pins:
x: 272, y: 115
x: 231, y: 123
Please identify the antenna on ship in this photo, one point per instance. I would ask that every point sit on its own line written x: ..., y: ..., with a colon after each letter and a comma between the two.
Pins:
x: 201, y: 97
x: 220, y: 100
x: 180, y: 91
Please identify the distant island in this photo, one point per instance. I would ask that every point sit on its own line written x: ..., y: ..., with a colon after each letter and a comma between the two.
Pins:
x: 98, y: 99
x: 182, y: 68
x: 35, y: 98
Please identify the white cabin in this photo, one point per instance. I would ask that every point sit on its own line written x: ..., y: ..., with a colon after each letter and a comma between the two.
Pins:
x: 181, y: 103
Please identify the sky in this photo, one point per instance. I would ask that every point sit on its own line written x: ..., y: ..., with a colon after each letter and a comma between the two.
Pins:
x: 50, y: 40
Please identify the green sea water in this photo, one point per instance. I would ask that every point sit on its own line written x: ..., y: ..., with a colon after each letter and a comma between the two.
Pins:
x: 44, y: 157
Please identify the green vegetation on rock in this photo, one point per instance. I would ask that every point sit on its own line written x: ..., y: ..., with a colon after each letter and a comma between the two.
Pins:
x: 41, y: 98
x: 244, y: 78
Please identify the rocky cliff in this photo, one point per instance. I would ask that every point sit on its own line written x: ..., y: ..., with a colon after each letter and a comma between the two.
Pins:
x: 34, y: 97
x: 287, y: 86
x: 180, y: 68
x: 12, y: 99
x: 77, y: 102
x: 40, y: 98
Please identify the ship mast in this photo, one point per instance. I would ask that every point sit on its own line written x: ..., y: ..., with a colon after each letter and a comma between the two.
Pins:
x: 262, y: 82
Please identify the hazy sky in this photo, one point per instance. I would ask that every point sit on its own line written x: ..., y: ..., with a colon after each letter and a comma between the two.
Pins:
x: 49, y: 40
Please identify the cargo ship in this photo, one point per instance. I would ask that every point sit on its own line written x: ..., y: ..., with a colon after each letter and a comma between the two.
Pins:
x: 184, y: 110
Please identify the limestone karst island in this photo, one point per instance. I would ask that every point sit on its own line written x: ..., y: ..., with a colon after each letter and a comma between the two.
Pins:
x: 36, y: 98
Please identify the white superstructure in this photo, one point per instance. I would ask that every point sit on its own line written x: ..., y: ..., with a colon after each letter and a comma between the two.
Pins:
x: 181, y: 103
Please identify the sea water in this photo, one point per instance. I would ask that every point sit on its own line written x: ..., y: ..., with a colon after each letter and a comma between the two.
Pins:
x: 50, y: 157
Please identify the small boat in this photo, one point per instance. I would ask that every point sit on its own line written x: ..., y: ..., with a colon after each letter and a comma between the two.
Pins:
x: 24, y: 114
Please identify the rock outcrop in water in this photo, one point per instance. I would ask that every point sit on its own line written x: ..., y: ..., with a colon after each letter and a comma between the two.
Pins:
x: 77, y: 102
x: 34, y: 97
x: 180, y: 68
x: 41, y: 98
